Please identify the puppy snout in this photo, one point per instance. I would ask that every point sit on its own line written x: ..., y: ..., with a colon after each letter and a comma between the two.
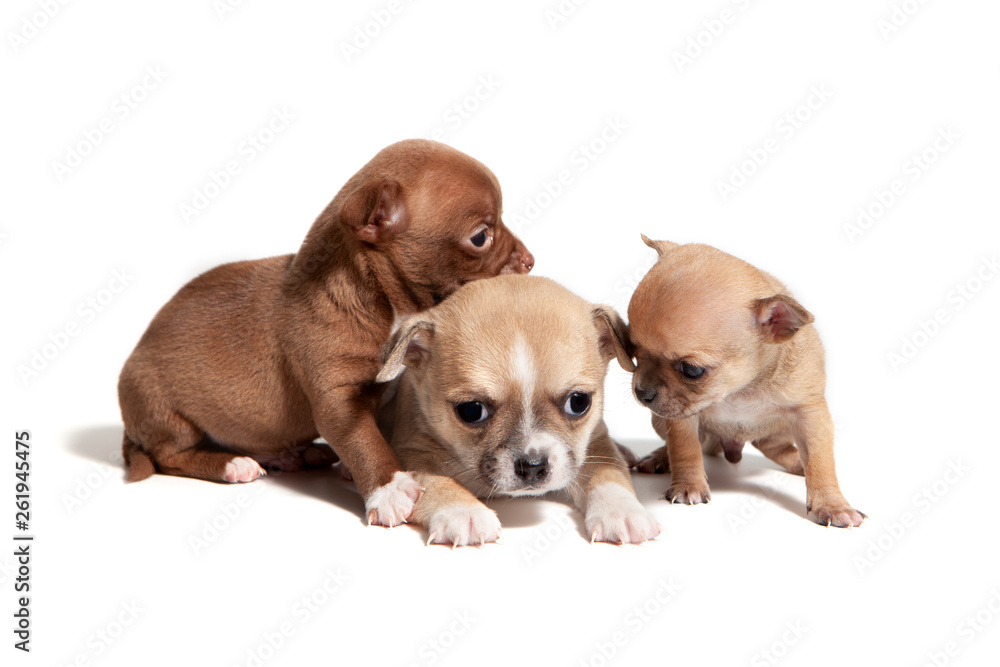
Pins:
x: 645, y: 394
x: 533, y: 469
x: 521, y: 261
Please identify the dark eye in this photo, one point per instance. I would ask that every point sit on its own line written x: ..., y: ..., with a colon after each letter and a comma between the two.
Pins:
x: 690, y: 370
x: 577, y: 404
x: 479, y: 240
x: 471, y: 412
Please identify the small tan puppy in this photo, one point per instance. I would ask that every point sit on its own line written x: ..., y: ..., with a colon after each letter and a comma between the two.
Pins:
x: 725, y: 356
x: 503, y: 395
x: 251, y: 361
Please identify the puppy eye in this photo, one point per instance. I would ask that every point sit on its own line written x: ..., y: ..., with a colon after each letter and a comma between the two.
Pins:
x: 690, y: 370
x: 577, y: 404
x: 472, y: 412
x: 479, y: 240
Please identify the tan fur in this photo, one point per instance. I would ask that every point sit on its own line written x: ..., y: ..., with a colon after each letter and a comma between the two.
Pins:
x: 764, y: 377
x: 521, y: 346
x: 261, y: 357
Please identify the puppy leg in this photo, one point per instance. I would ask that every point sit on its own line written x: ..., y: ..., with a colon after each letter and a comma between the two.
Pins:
x: 605, y: 495
x: 178, y: 447
x: 451, y: 514
x: 657, y: 462
x: 781, y: 449
x: 389, y: 492
x: 311, y: 456
x: 689, y: 483
x: 825, y: 503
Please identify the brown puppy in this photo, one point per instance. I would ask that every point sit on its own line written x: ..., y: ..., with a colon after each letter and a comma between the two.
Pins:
x: 258, y: 358
x: 503, y: 395
x: 724, y: 356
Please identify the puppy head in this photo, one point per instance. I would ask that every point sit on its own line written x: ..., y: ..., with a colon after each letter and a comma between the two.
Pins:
x: 508, y: 375
x: 703, y: 325
x: 433, y: 214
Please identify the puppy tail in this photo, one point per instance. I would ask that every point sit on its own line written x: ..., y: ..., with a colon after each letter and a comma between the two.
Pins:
x: 138, y: 465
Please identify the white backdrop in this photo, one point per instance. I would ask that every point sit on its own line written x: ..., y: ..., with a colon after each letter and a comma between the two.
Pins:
x: 849, y: 148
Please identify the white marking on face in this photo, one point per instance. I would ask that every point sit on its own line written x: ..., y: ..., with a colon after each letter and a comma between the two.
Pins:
x: 523, y: 373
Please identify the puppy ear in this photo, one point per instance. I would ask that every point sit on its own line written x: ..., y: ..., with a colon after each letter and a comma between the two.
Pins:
x: 661, y: 247
x: 779, y: 317
x: 612, y: 336
x: 409, y: 346
x: 376, y: 212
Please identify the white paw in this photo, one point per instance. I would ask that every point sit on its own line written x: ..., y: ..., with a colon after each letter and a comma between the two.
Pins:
x: 615, y: 515
x: 464, y: 525
x: 242, y: 469
x: 392, y: 504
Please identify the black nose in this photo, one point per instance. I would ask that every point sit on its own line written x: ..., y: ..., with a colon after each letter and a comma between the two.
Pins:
x: 533, y: 469
x: 644, y: 395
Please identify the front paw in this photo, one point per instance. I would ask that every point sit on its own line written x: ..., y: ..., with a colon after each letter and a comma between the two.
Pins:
x: 837, y: 514
x: 688, y: 493
x: 658, y: 462
x: 391, y: 504
x: 615, y: 515
x: 464, y: 525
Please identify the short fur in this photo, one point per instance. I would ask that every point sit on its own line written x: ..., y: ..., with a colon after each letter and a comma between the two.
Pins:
x: 260, y: 357
x: 763, y: 378
x: 521, y: 346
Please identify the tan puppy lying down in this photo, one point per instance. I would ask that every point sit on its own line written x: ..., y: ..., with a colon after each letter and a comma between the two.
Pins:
x: 726, y: 356
x: 503, y: 395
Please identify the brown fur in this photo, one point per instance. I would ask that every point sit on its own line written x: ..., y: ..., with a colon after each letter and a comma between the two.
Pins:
x: 763, y: 378
x: 261, y: 357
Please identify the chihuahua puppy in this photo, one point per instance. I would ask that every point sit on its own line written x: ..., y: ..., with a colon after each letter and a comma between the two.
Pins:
x: 503, y: 394
x: 725, y: 355
x: 253, y: 360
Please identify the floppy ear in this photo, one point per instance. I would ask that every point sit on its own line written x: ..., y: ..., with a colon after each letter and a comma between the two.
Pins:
x: 612, y: 336
x: 661, y: 247
x: 375, y: 212
x: 779, y: 317
x: 409, y: 346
